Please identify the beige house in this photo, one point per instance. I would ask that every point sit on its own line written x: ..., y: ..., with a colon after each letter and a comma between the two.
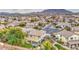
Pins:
x: 12, y: 24
x: 36, y: 36
x: 66, y: 37
x: 75, y: 29
x: 31, y: 25
x: 2, y: 26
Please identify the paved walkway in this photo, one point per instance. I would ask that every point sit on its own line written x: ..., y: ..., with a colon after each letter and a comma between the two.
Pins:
x: 60, y: 45
x: 63, y: 46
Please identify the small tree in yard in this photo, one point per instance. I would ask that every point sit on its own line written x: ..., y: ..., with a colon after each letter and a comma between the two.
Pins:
x: 37, y: 27
x: 22, y: 24
x: 48, y: 45
x: 34, y: 19
x: 67, y: 28
x: 41, y: 24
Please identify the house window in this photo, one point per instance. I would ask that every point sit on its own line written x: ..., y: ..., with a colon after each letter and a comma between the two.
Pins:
x: 78, y: 45
x: 60, y: 35
x: 30, y: 35
x: 71, y: 38
x: 54, y: 36
x: 75, y: 38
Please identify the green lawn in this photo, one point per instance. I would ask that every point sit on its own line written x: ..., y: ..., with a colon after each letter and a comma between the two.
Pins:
x: 60, y: 47
x: 27, y: 46
x: 53, y: 48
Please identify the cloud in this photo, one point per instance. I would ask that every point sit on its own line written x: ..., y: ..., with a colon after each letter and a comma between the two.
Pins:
x: 74, y: 10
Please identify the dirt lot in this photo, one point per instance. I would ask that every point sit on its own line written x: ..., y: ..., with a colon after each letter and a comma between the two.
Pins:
x: 4, y: 46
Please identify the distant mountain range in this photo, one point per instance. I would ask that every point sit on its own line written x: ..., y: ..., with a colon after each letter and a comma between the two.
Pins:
x: 57, y: 11
x: 45, y: 12
x: 10, y: 14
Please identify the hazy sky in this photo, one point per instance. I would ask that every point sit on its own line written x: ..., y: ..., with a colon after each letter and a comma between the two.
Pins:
x: 20, y: 10
x: 29, y: 10
x: 73, y: 10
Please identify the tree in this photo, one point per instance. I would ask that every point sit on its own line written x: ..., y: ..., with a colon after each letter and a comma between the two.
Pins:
x: 3, y: 35
x: 41, y: 24
x: 15, y: 36
x: 22, y: 24
x: 48, y: 45
x: 37, y: 27
x: 67, y: 28
x: 49, y: 21
x: 58, y: 27
x: 33, y: 19
x: 76, y: 24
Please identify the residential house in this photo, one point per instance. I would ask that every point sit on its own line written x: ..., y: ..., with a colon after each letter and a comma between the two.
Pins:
x: 67, y: 37
x: 63, y: 24
x: 36, y: 36
x: 75, y: 29
x: 2, y: 19
x: 31, y: 25
x: 2, y: 26
x: 13, y: 24
x: 50, y: 29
